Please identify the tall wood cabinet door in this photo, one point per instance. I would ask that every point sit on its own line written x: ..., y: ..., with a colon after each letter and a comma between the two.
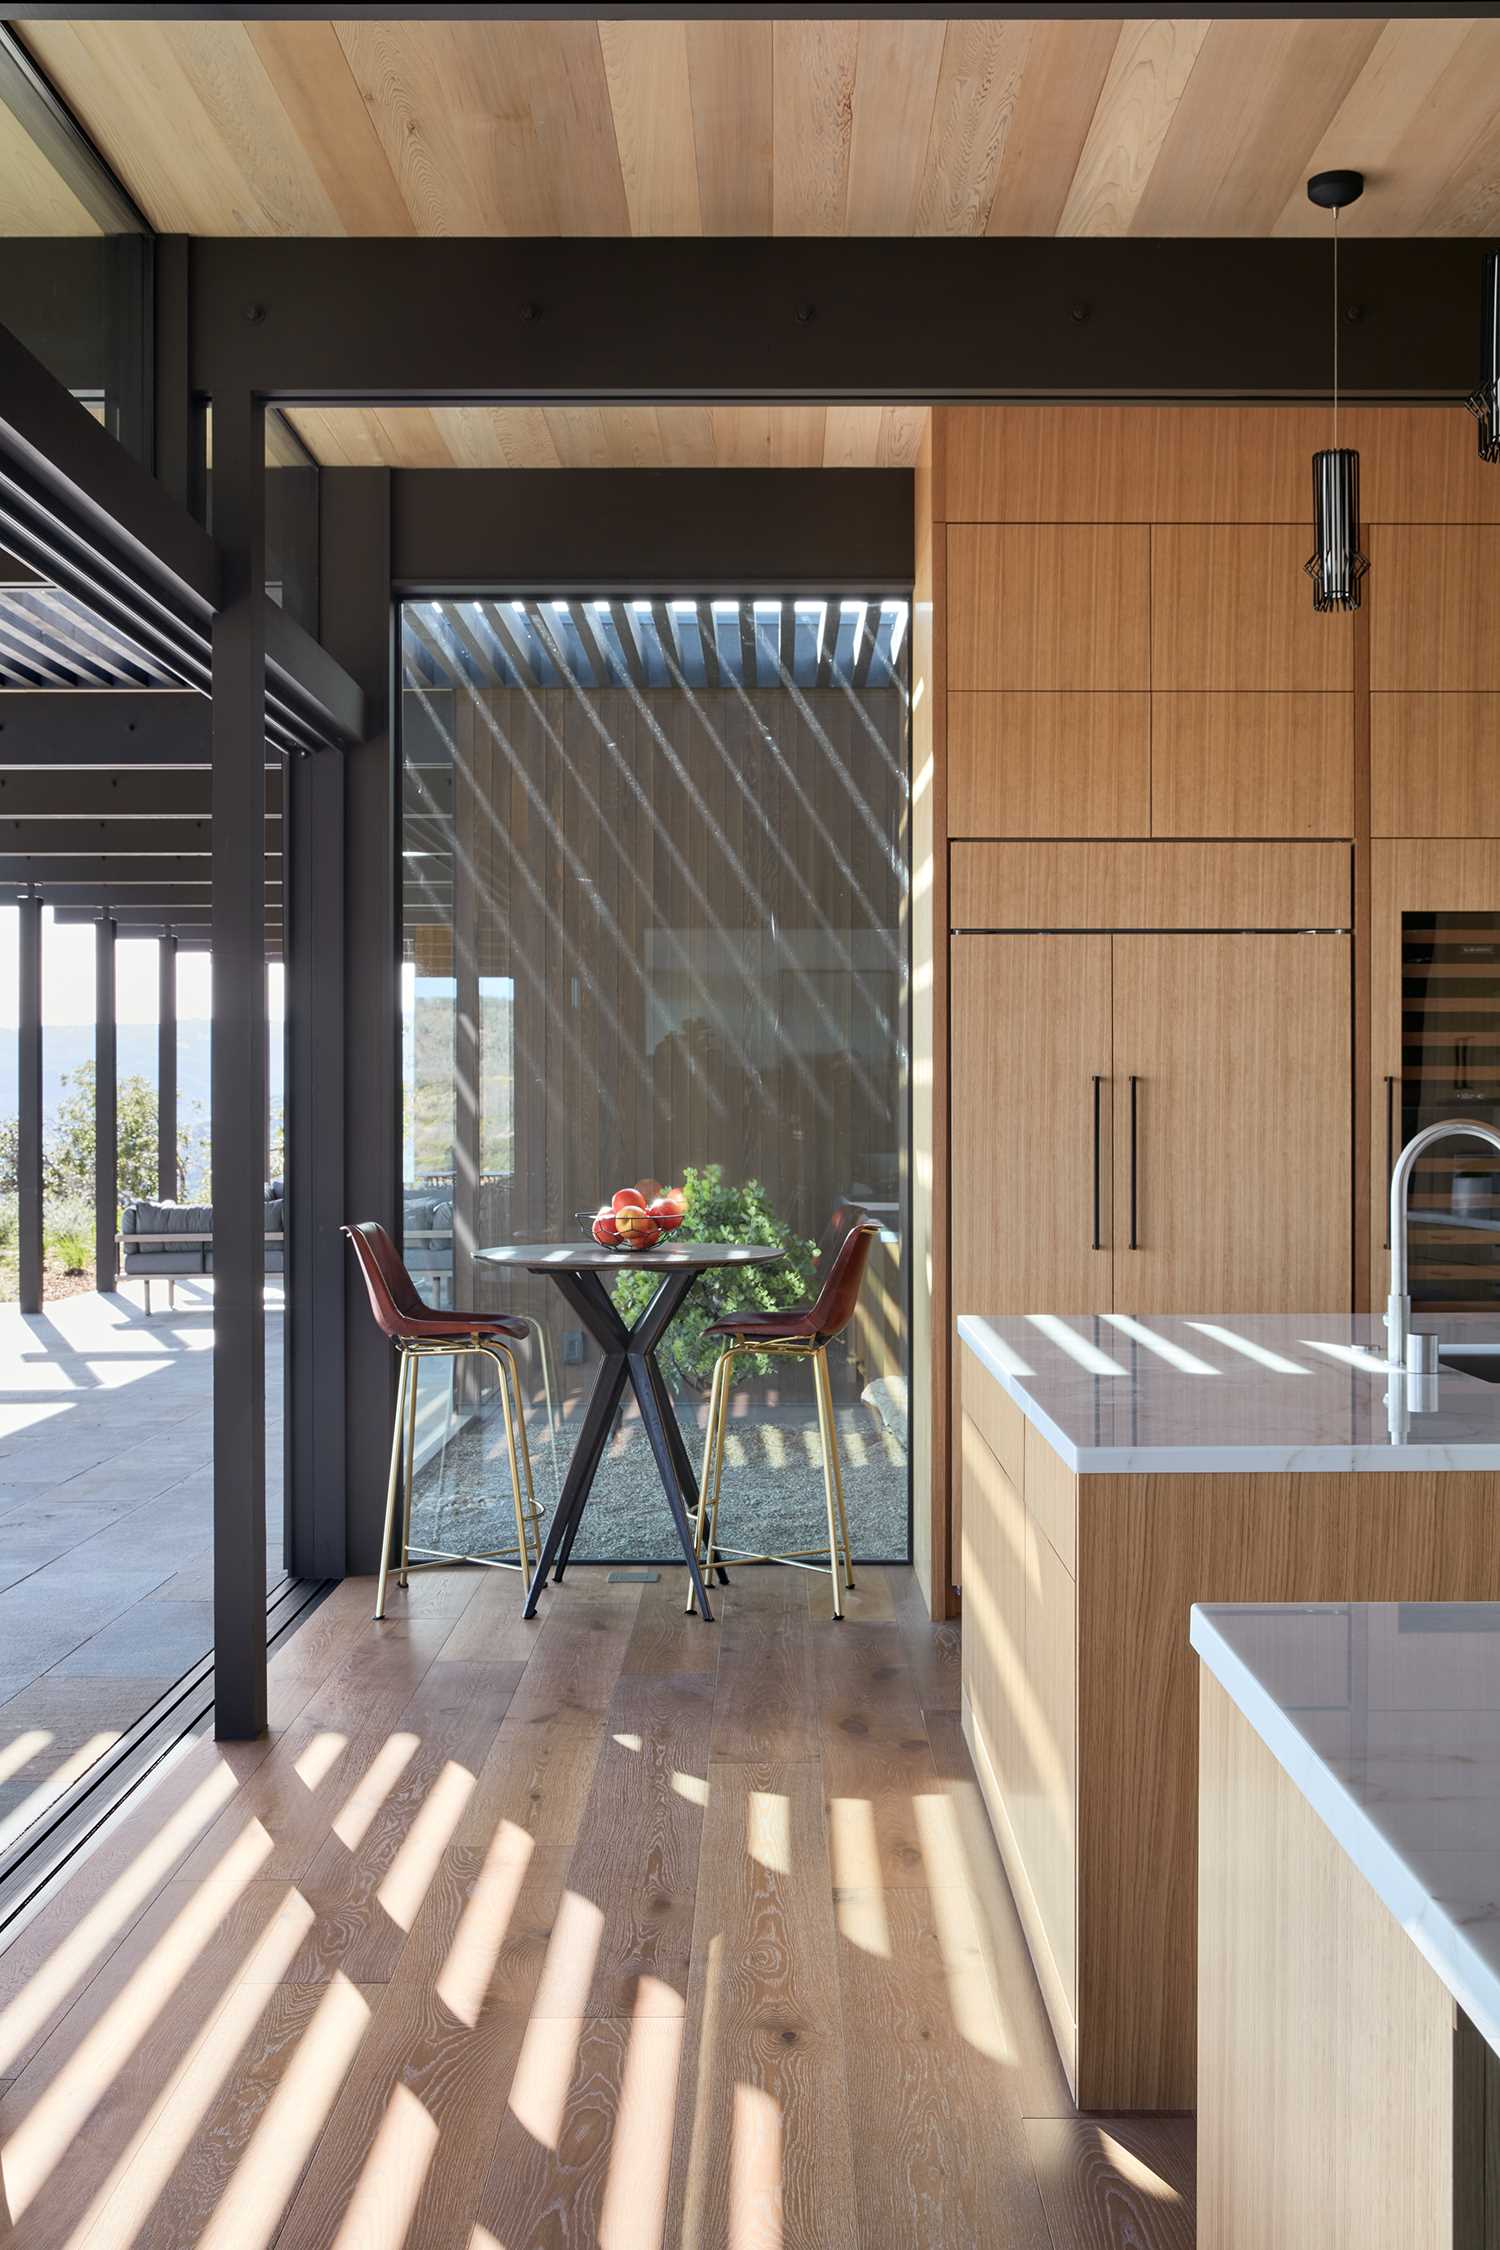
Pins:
x: 1233, y: 1181
x: 1031, y: 1124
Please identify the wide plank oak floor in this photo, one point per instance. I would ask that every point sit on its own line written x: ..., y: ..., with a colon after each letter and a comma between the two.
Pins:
x: 614, y: 1930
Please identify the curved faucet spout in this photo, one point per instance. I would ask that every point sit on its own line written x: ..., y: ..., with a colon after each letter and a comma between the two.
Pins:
x: 1398, y: 1303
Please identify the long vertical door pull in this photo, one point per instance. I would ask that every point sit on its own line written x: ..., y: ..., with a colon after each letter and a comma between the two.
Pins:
x: 1098, y: 1082
x: 1390, y: 1154
x: 1134, y: 1229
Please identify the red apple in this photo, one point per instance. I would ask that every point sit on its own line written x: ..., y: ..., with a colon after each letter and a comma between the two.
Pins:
x: 627, y: 1199
x: 648, y: 1190
x: 636, y: 1227
x: 668, y: 1210
x: 604, y: 1230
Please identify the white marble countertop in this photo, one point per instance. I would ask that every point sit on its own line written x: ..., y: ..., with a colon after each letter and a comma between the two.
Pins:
x: 1386, y: 1716
x: 1119, y: 1396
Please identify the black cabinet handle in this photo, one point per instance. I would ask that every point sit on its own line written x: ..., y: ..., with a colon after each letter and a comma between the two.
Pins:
x: 1134, y: 1228
x: 1097, y: 1244
x: 1390, y: 1155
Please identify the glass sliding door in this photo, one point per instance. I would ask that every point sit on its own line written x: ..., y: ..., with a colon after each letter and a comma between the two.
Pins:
x: 654, y: 878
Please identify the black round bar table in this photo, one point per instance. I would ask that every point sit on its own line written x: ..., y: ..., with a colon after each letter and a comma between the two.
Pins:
x: 580, y: 1270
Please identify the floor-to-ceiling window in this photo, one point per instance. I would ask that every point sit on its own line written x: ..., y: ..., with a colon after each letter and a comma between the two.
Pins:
x: 654, y: 881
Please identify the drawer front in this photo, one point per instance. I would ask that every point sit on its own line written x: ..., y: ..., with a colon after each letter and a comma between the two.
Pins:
x: 996, y: 1416
x: 1151, y: 886
x: 1052, y: 1499
x: 994, y: 1637
x: 1049, y: 1841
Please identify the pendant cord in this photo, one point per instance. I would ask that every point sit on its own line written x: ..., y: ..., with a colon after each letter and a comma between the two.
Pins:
x: 1335, y: 328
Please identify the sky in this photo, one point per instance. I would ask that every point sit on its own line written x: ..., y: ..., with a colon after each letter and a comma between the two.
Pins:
x: 68, y: 976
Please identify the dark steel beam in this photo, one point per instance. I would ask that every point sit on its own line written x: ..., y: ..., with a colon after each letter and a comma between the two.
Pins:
x: 57, y: 135
x: 125, y: 840
x: 316, y: 1124
x: 355, y: 625
x: 124, y: 798
x: 124, y: 874
x: 712, y: 318
x: 125, y: 728
x: 106, y: 1121
x: 156, y: 901
x: 29, y: 1106
x: 311, y: 683
x: 238, y: 1109
x: 597, y: 532
x: 166, y: 1069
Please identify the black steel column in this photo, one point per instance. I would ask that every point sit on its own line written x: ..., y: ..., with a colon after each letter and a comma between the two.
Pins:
x: 238, y: 1116
x: 106, y: 1145
x: 29, y: 1119
x: 356, y: 628
x: 166, y: 1069
x: 313, y: 857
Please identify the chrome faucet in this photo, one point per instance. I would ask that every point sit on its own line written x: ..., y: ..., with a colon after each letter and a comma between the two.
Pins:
x: 1399, y: 1352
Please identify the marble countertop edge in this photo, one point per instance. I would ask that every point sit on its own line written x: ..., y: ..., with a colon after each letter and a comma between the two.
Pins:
x: 1443, y: 1944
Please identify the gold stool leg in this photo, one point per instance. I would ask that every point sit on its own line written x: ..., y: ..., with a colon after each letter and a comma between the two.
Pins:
x: 727, y: 1363
x: 411, y: 1467
x: 503, y: 1361
x: 392, y: 1488
x: 825, y: 1433
x: 838, y: 1472
x: 703, y: 1482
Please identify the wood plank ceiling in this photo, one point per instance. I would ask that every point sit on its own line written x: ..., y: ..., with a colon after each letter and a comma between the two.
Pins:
x: 925, y: 126
x: 814, y: 127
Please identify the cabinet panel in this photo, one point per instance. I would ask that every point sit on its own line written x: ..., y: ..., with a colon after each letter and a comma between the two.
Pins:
x: 1050, y: 1819
x: 993, y: 1578
x: 1434, y: 764
x: 1233, y: 1167
x: 1435, y: 1052
x: 1048, y: 606
x: 1031, y: 1031
x: 1052, y: 1498
x: 1231, y: 607
x: 1027, y: 763
x: 996, y: 1416
x: 1151, y: 886
x: 1252, y: 765
x: 1432, y: 621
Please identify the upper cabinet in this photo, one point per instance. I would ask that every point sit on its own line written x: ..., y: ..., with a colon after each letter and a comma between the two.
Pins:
x: 1231, y: 608
x: 1049, y: 606
x: 1433, y: 625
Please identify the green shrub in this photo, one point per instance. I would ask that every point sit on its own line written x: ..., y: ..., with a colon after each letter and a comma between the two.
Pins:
x: 716, y: 1213
x: 68, y: 1236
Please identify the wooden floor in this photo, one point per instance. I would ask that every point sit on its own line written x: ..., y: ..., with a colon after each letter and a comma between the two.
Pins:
x: 615, y: 1929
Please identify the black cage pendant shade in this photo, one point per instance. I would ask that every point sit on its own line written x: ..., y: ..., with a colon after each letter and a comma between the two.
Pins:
x: 1484, y: 404
x: 1336, y: 564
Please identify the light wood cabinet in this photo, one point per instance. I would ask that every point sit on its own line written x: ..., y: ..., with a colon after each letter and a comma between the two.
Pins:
x: 1159, y: 1123
x: 1049, y: 763
x: 1031, y: 1067
x: 1230, y: 608
x: 1232, y: 1147
x: 1049, y: 606
x: 1433, y: 625
x: 1262, y: 764
x: 1434, y: 763
x: 1049, y: 1841
x: 1150, y: 886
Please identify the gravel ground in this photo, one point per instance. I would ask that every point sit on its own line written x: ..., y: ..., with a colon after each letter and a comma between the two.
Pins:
x: 773, y: 1485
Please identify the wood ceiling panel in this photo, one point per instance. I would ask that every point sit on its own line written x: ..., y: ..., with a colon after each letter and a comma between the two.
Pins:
x: 804, y: 126
x: 611, y: 437
x: 33, y: 198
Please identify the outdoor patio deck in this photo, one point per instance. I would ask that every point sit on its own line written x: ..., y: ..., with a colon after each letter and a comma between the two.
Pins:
x: 106, y: 1525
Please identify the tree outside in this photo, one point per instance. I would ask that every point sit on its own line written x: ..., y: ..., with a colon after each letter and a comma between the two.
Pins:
x: 68, y: 1175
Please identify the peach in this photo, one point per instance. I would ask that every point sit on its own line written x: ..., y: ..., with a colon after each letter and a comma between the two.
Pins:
x: 604, y: 1230
x: 667, y: 1211
x: 627, y: 1199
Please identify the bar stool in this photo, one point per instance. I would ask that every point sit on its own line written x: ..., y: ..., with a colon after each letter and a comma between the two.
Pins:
x: 800, y: 1332
x: 418, y: 1332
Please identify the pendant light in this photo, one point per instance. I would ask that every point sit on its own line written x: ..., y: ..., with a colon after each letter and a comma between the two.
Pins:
x: 1484, y: 404
x: 1336, y: 565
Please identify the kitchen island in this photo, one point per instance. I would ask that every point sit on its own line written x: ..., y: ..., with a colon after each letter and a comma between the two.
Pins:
x: 1114, y: 1472
x: 1349, y: 1926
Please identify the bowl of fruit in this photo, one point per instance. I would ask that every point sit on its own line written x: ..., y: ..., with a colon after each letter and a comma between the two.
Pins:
x: 635, y: 1218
